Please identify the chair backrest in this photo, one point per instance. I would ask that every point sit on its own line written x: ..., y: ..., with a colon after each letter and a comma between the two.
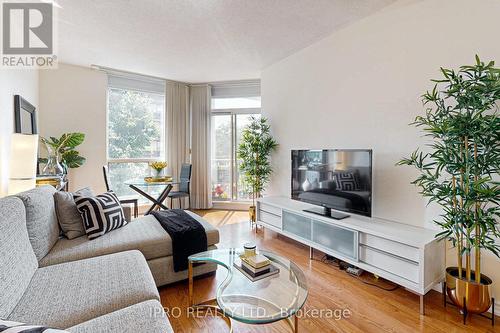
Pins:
x: 185, y: 178
x: 105, y: 173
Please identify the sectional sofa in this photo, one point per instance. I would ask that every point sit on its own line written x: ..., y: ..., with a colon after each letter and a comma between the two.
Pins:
x: 108, y: 284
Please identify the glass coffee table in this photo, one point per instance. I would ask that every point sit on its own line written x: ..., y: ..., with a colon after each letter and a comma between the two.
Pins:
x: 277, y: 297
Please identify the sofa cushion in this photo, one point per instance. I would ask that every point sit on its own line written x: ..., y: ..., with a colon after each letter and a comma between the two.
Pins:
x: 41, y: 219
x: 101, y: 214
x: 68, y: 216
x: 163, y: 270
x: 144, y: 234
x: 64, y: 295
x: 147, y: 316
x: 17, y: 260
x: 212, y: 232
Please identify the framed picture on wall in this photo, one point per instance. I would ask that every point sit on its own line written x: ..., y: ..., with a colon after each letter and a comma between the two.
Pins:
x: 24, y: 116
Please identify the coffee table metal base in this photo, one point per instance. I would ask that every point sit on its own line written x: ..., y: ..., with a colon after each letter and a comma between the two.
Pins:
x: 211, y: 305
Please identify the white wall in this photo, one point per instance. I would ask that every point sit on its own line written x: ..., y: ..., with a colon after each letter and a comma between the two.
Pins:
x: 73, y: 99
x: 12, y: 82
x: 361, y: 86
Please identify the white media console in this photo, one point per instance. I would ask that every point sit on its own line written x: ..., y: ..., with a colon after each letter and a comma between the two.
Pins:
x: 406, y: 255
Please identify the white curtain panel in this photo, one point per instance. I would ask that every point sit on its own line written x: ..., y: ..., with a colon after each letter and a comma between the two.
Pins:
x: 177, y: 126
x: 201, y: 196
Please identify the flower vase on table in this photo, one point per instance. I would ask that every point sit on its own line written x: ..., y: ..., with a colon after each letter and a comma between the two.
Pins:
x: 53, y: 173
x: 158, y: 171
x: 53, y: 166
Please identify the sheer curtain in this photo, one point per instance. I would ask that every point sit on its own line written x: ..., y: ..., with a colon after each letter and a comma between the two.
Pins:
x: 201, y: 196
x: 177, y: 126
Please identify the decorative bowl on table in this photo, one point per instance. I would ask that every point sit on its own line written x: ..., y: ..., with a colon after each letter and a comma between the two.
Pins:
x: 158, y: 179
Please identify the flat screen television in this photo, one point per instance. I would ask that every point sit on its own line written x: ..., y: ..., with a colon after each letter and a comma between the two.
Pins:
x: 339, y: 179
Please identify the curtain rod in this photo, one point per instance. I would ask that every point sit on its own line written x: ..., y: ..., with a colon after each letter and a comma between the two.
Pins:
x: 111, y: 70
x: 235, y: 83
x: 214, y: 83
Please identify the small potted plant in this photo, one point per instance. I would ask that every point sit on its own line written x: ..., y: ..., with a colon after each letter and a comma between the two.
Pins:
x: 254, y: 150
x: 458, y: 173
x: 62, y: 154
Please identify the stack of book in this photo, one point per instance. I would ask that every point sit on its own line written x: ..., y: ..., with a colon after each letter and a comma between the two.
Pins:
x: 49, y: 180
x: 256, y: 267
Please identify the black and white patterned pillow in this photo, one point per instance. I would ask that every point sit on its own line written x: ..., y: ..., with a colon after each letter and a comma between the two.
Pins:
x: 15, y: 327
x: 346, y: 181
x: 100, y: 214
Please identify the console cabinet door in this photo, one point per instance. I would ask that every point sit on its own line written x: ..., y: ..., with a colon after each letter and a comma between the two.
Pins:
x: 298, y: 225
x: 339, y: 240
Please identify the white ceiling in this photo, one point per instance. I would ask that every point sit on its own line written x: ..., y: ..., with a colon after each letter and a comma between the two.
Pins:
x: 198, y: 40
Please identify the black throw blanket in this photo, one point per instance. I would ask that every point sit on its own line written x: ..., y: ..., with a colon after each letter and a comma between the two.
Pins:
x: 188, y: 235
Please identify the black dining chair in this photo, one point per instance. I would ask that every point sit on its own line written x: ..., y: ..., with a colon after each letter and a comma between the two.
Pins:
x: 127, y: 200
x: 184, y: 186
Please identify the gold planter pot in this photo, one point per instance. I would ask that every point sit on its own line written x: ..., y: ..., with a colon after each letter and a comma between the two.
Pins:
x: 475, y: 297
x: 252, y: 214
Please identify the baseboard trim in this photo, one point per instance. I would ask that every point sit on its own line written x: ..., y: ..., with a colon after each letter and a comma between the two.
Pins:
x: 231, y: 205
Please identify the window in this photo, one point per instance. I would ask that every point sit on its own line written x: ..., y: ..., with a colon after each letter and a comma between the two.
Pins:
x: 136, y: 129
x: 230, y: 114
x: 222, y: 152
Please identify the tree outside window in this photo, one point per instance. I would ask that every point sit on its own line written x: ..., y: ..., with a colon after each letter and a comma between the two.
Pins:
x: 136, y: 122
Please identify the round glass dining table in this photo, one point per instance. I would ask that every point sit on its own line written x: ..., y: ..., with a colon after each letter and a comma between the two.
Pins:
x: 157, y: 203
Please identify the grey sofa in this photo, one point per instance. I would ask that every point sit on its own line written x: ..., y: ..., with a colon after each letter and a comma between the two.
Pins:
x: 104, y: 285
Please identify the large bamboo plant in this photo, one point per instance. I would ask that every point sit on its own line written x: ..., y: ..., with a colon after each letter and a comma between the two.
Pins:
x: 255, y: 147
x: 461, y: 168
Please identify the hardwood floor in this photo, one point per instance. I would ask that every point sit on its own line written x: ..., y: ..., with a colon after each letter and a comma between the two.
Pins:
x: 371, y: 309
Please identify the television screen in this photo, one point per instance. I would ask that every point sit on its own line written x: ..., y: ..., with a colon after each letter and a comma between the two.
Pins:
x: 334, y: 179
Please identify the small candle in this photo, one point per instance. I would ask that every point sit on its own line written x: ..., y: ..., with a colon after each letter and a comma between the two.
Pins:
x: 250, y: 249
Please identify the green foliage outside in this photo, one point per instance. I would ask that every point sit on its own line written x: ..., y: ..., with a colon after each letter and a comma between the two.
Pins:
x: 134, y: 131
x: 133, y: 126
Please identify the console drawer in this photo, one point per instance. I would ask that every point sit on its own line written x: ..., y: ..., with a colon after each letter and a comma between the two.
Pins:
x: 269, y: 218
x: 390, y: 263
x: 402, y: 250
x: 270, y: 209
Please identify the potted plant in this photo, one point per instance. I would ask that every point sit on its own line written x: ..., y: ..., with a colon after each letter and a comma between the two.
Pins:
x: 458, y: 173
x: 62, y: 154
x: 254, y: 150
